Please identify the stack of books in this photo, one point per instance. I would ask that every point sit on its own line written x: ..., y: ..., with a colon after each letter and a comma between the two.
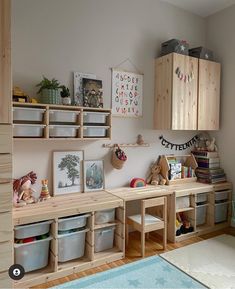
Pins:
x: 209, y: 170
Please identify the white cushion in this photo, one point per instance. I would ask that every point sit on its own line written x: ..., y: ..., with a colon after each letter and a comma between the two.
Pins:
x: 149, y: 219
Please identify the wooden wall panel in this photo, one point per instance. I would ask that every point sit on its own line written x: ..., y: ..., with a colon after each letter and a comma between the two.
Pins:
x: 6, y: 257
x: 209, y: 95
x: 5, y: 197
x: 184, y: 94
x: 5, y: 168
x: 5, y: 61
x: 6, y: 227
x: 5, y: 280
x: 163, y: 92
x: 5, y: 139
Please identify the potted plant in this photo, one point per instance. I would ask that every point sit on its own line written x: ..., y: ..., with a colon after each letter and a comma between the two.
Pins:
x: 49, y: 91
x: 65, y: 94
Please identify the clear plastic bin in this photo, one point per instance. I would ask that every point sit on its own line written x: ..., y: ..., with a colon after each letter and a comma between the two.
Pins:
x: 71, y: 246
x: 182, y: 202
x: 63, y: 131
x: 201, y: 215
x: 104, y: 239
x: 28, y: 130
x: 75, y: 222
x: 95, y: 131
x: 221, y: 196
x: 104, y: 216
x: 221, y: 212
x: 201, y: 198
x: 94, y: 117
x: 32, y: 230
x: 63, y: 116
x: 33, y: 256
x: 28, y: 114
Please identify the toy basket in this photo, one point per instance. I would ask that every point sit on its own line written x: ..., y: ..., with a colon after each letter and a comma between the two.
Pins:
x: 118, y: 158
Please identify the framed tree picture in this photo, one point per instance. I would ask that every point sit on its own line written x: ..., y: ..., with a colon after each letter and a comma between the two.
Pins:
x: 93, y: 175
x: 67, y: 172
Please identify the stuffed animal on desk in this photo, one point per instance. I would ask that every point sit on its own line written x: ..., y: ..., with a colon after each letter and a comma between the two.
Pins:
x: 155, y: 177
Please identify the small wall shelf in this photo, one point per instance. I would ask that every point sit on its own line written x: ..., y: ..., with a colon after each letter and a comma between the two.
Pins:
x: 126, y: 145
x: 86, y: 123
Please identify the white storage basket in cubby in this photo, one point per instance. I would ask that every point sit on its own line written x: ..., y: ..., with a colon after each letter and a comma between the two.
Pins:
x: 90, y: 117
x: 104, y: 239
x: 63, y: 116
x: 221, y: 212
x: 201, y: 198
x: 221, y: 196
x: 74, y: 222
x: 34, y: 255
x: 28, y: 114
x: 71, y: 245
x: 201, y: 215
x: 182, y: 202
x: 28, y: 130
x: 32, y: 230
x: 104, y: 216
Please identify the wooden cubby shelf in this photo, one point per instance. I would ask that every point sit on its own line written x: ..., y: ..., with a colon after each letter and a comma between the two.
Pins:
x: 65, y: 206
x: 81, y: 130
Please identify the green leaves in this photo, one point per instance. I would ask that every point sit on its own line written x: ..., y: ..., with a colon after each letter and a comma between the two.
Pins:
x: 48, y: 84
x: 65, y: 91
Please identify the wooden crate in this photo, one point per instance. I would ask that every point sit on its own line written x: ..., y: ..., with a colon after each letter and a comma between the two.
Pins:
x: 189, y: 161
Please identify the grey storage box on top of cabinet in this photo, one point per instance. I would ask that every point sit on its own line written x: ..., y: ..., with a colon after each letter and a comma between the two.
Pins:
x: 63, y: 116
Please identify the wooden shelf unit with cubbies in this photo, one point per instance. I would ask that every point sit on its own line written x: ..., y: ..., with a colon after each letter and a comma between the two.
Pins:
x: 50, y: 124
x: 198, y: 203
x: 70, y: 205
x: 185, y: 160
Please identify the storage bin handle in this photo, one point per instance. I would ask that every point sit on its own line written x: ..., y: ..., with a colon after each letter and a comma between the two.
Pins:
x: 106, y: 231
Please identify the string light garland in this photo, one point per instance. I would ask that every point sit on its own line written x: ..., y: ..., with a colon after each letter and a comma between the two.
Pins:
x: 167, y: 144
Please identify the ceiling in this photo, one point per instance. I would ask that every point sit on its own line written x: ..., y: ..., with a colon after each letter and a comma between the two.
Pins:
x: 202, y: 8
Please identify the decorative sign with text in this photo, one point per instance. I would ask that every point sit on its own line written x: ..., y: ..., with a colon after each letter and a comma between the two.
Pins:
x: 127, y: 93
x: 167, y: 144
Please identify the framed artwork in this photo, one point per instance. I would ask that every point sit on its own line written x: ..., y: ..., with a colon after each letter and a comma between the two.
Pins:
x: 78, y: 88
x: 92, y: 92
x: 127, y: 93
x: 67, y: 172
x: 93, y: 175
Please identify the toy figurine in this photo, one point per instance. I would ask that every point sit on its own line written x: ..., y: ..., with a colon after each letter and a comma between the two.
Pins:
x: 45, y: 195
x: 23, y: 193
x: 140, y: 140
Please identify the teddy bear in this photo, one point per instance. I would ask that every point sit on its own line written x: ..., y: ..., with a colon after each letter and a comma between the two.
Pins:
x: 155, y: 177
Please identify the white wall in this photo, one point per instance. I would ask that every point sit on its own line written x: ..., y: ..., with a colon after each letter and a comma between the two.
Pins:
x: 57, y: 37
x: 220, y: 38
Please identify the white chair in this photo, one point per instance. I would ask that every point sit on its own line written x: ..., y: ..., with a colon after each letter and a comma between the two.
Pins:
x: 145, y: 223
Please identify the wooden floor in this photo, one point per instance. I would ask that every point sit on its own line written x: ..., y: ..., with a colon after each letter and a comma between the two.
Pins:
x: 133, y: 254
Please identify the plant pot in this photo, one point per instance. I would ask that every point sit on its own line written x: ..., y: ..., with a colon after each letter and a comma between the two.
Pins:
x: 50, y: 96
x: 66, y: 100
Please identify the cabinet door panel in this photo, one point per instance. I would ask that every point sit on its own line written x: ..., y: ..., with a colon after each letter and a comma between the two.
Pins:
x: 5, y: 139
x: 209, y: 95
x: 184, y: 92
x: 163, y: 90
x: 5, y: 198
x: 5, y: 62
x: 6, y: 256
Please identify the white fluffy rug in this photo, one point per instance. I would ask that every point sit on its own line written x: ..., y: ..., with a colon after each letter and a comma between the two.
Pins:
x: 212, y: 262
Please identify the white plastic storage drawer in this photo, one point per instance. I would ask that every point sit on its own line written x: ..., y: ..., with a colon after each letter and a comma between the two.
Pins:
x: 104, y: 239
x: 33, y: 256
x: 95, y: 131
x: 221, y: 212
x: 28, y: 114
x: 69, y: 223
x: 221, y: 196
x: 182, y: 202
x: 63, y: 131
x: 72, y: 245
x: 104, y: 216
x: 201, y: 198
x: 28, y: 130
x: 32, y: 230
x: 201, y: 215
x: 64, y: 116
x: 95, y: 117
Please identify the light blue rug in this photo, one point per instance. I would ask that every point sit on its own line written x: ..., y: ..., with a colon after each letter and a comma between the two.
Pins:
x: 153, y: 272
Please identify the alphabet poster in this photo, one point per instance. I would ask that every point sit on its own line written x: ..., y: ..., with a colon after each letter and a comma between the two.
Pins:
x: 127, y: 93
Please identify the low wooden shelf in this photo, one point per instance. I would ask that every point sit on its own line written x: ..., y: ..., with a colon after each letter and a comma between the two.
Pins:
x: 65, y: 206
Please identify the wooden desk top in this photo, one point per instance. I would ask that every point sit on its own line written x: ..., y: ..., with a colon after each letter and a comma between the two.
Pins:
x: 131, y: 194
x: 61, y: 206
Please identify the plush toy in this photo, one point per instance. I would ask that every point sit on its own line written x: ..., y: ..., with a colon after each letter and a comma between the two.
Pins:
x: 211, y: 146
x: 155, y: 177
x: 23, y: 193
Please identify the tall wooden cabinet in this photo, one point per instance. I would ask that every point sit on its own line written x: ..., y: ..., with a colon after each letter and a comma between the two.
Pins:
x: 6, y: 226
x: 187, y: 93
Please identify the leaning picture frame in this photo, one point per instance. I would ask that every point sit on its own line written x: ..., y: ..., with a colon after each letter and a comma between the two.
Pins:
x: 67, y: 172
x: 93, y: 175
